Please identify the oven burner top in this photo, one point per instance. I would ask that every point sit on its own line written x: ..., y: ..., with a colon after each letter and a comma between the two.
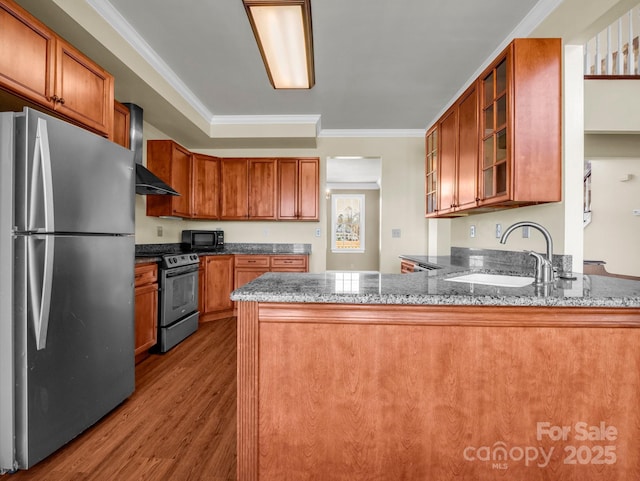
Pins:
x: 170, y: 261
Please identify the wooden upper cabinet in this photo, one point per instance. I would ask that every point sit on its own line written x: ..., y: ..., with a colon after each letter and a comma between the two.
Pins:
x: 456, y: 158
x: 521, y: 127
x: 173, y: 164
x: 206, y: 186
x: 83, y: 90
x: 298, y: 189
x: 499, y: 145
x: 234, y: 189
x: 121, y: 125
x: 262, y: 189
x: 27, y: 51
x: 43, y: 68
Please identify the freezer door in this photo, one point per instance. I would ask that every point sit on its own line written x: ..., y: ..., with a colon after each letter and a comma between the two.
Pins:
x: 80, y: 366
x: 70, y: 180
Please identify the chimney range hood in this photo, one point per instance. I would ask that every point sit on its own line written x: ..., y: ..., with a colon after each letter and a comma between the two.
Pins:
x: 147, y: 183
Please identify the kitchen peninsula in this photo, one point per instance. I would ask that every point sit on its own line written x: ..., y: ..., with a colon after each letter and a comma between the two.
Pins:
x: 353, y: 376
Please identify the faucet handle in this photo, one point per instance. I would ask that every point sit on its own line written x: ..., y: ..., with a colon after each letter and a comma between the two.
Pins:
x: 544, y: 270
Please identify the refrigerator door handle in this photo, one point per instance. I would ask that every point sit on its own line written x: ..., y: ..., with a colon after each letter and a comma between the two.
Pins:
x: 40, y: 277
x: 41, y: 173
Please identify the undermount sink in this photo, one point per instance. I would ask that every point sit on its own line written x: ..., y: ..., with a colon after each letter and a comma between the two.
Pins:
x: 493, y: 280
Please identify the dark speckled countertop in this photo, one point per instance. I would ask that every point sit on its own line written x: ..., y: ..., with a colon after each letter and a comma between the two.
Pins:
x: 432, y: 288
x: 154, y: 252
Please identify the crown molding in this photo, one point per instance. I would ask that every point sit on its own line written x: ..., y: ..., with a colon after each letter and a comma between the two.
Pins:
x: 375, y: 133
x: 113, y: 17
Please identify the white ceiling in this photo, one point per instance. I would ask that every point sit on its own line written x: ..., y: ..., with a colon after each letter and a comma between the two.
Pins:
x: 382, y: 66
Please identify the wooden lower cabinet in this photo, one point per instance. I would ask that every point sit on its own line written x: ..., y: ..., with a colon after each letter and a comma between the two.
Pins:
x: 146, y: 309
x: 406, y: 267
x: 250, y: 267
x: 215, y: 286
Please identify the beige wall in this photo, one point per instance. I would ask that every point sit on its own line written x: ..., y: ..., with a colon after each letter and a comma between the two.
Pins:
x: 402, y: 192
x: 614, y: 232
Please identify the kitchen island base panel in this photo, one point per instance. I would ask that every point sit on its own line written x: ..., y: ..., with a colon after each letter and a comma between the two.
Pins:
x: 354, y: 392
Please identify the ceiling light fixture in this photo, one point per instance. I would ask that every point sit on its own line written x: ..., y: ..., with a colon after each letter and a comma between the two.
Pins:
x: 283, y: 31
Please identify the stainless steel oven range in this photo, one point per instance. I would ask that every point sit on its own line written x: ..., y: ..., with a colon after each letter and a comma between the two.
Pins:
x: 178, y: 299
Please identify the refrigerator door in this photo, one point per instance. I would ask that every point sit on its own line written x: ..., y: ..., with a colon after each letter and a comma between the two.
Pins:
x: 6, y: 294
x: 78, y: 364
x: 68, y: 180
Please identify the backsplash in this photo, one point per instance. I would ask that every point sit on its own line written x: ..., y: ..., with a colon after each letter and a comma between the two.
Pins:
x: 493, y: 258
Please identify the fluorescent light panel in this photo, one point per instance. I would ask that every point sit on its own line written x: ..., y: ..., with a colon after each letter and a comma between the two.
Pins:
x: 283, y: 32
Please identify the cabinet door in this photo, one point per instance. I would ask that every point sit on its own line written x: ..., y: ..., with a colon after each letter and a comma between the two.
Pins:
x: 262, y: 189
x: 171, y: 163
x: 146, y: 317
x: 121, y: 124
x: 219, y: 283
x: 431, y: 171
x: 146, y: 308
x: 206, y: 187
x: 495, y: 145
x: 308, y: 189
x: 447, y: 167
x: 288, y: 189
x: 234, y: 189
x: 467, y: 165
x: 83, y: 90
x: 27, y: 50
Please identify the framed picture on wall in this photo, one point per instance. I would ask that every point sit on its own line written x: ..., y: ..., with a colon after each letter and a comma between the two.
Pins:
x: 347, y: 223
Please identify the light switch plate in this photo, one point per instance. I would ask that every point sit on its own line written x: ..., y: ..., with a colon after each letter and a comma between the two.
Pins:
x: 498, y: 231
x: 472, y: 231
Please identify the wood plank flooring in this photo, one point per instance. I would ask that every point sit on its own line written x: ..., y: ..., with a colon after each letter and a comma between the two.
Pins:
x: 180, y: 424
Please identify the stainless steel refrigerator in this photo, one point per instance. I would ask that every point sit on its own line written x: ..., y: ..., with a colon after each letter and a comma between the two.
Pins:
x: 66, y: 283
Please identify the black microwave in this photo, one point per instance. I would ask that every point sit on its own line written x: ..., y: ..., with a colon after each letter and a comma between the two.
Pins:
x: 202, y: 240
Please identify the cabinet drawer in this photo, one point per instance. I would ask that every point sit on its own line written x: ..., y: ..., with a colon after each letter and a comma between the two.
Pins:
x: 289, y: 262
x: 252, y: 261
x: 146, y: 274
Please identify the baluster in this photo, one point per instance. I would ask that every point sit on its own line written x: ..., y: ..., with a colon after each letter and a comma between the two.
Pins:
x: 609, y: 63
x: 598, y: 70
x: 620, y: 62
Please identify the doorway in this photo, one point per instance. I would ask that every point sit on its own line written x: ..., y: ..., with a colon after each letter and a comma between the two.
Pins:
x: 353, y: 207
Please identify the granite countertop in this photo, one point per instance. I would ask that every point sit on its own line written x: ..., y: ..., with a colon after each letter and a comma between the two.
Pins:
x: 154, y: 252
x: 432, y: 288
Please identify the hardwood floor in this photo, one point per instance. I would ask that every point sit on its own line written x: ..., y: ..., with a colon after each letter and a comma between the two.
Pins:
x: 180, y: 424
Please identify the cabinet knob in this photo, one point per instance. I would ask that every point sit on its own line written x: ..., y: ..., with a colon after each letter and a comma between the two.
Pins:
x: 61, y: 100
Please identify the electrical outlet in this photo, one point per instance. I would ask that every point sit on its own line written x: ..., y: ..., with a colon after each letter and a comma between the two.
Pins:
x: 498, y: 231
x: 472, y: 231
x: 395, y: 233
x: 159, y: 232
x: 265, y: 232
x: 525, y: 232
x: 317, y: 231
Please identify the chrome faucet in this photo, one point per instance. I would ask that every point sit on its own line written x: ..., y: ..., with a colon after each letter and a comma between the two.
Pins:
x: 544, y: 265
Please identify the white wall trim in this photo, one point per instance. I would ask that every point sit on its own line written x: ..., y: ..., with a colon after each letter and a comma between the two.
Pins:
x: 363, y: 133
x: 113, y: 17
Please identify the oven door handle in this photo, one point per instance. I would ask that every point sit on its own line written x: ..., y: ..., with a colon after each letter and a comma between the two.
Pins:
x: 178, y: 271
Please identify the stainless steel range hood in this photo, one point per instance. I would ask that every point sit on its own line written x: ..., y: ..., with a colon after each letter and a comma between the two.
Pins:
x: 147, y: 183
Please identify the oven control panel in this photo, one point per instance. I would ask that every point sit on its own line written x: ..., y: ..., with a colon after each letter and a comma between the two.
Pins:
x: 171, y: 261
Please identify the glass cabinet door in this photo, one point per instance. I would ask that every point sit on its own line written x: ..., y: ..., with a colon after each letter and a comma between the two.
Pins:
x: 431, y: 163
x: 494, y: 173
